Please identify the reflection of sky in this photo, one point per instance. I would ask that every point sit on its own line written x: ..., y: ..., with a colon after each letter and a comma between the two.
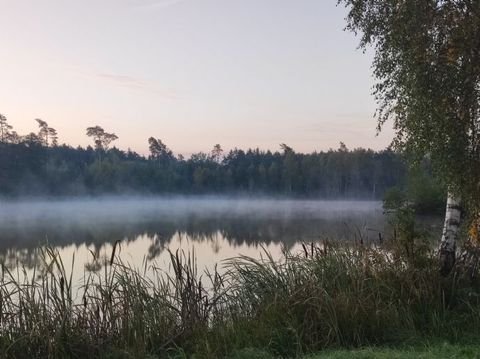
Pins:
x: 192, y: 72
x: 134, y: 254
x: 215, y: 229
x: 95, y: 222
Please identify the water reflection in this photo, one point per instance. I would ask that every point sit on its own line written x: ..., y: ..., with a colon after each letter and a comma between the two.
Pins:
x: 214, y: 228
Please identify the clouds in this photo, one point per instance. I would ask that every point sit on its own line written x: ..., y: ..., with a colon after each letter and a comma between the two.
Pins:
x: 243, y: 73
x: 133, y: 83
x: 124, y: 81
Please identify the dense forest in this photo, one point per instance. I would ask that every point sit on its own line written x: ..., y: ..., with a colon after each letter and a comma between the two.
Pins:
x: 36, y: 164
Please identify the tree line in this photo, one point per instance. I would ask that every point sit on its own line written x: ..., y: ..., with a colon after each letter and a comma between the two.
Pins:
x: 36, y: 164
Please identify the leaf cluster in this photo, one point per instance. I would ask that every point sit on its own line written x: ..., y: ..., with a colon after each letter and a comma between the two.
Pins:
x: 427, y: 67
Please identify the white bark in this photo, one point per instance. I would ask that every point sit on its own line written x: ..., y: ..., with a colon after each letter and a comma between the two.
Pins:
x: 451, y: 228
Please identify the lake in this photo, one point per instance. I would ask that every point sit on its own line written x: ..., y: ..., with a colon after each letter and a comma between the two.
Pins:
x: 216, y: 229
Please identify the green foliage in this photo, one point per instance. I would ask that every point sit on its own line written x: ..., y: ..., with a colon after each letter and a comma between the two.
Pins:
x: 329, y: 296
x: 428, y: 81
x: 251, y: 353
x: 425, y: 192
x: 158, y: 150
x: 394, y: 198
x: 31, y: 168
x: 5, y: 128
x: 101, y: 138
x: 37, y: 165
x: 422, y: 192
x: 426, y: 351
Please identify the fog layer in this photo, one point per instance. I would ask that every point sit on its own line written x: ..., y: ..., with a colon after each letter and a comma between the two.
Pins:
x: 137, y: 209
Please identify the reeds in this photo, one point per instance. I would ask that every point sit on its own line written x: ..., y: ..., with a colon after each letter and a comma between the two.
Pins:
x: 329, y: 295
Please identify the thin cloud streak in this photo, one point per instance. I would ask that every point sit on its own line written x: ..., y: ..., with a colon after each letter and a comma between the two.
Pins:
x: 135, y: 84
x: 125, y: 81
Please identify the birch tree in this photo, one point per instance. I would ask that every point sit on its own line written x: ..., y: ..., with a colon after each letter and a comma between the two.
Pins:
x: 427, y: 66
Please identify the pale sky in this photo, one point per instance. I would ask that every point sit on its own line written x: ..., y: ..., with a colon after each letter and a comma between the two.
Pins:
x: 242, y: 73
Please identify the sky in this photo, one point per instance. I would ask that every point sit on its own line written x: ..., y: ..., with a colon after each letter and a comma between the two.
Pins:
x: 194, y: 73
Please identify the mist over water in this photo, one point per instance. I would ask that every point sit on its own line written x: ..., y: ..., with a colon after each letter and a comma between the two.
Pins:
x: 215, y: 228
x: 136, y: 208
x: 25, y: 222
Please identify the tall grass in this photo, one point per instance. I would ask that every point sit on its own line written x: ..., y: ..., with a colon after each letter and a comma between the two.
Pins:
x: 329, y: 295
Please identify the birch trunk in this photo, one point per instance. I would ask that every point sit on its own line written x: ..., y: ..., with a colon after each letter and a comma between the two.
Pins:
x: 450, y: 233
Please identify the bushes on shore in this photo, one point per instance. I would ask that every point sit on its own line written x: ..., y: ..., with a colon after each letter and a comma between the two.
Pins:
x: 331, y: 295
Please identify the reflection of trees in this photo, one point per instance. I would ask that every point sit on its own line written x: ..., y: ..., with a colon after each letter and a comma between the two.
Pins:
x: 28, y: 257
x: 24, y: 258
x: 19, y: 243
x: 97, y: 260
x: 157, y: 246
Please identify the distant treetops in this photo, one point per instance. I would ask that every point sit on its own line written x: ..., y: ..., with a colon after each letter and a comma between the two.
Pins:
x: 37, y: 164
x: 101, y: 138
x: 47, y: 136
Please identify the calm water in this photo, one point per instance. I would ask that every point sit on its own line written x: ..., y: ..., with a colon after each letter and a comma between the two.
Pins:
x: 215, y: 228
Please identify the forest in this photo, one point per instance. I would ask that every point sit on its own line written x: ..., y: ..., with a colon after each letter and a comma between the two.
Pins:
x: 36, y: 165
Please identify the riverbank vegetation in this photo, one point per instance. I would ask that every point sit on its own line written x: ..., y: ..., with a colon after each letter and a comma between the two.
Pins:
x: 328, y: 296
